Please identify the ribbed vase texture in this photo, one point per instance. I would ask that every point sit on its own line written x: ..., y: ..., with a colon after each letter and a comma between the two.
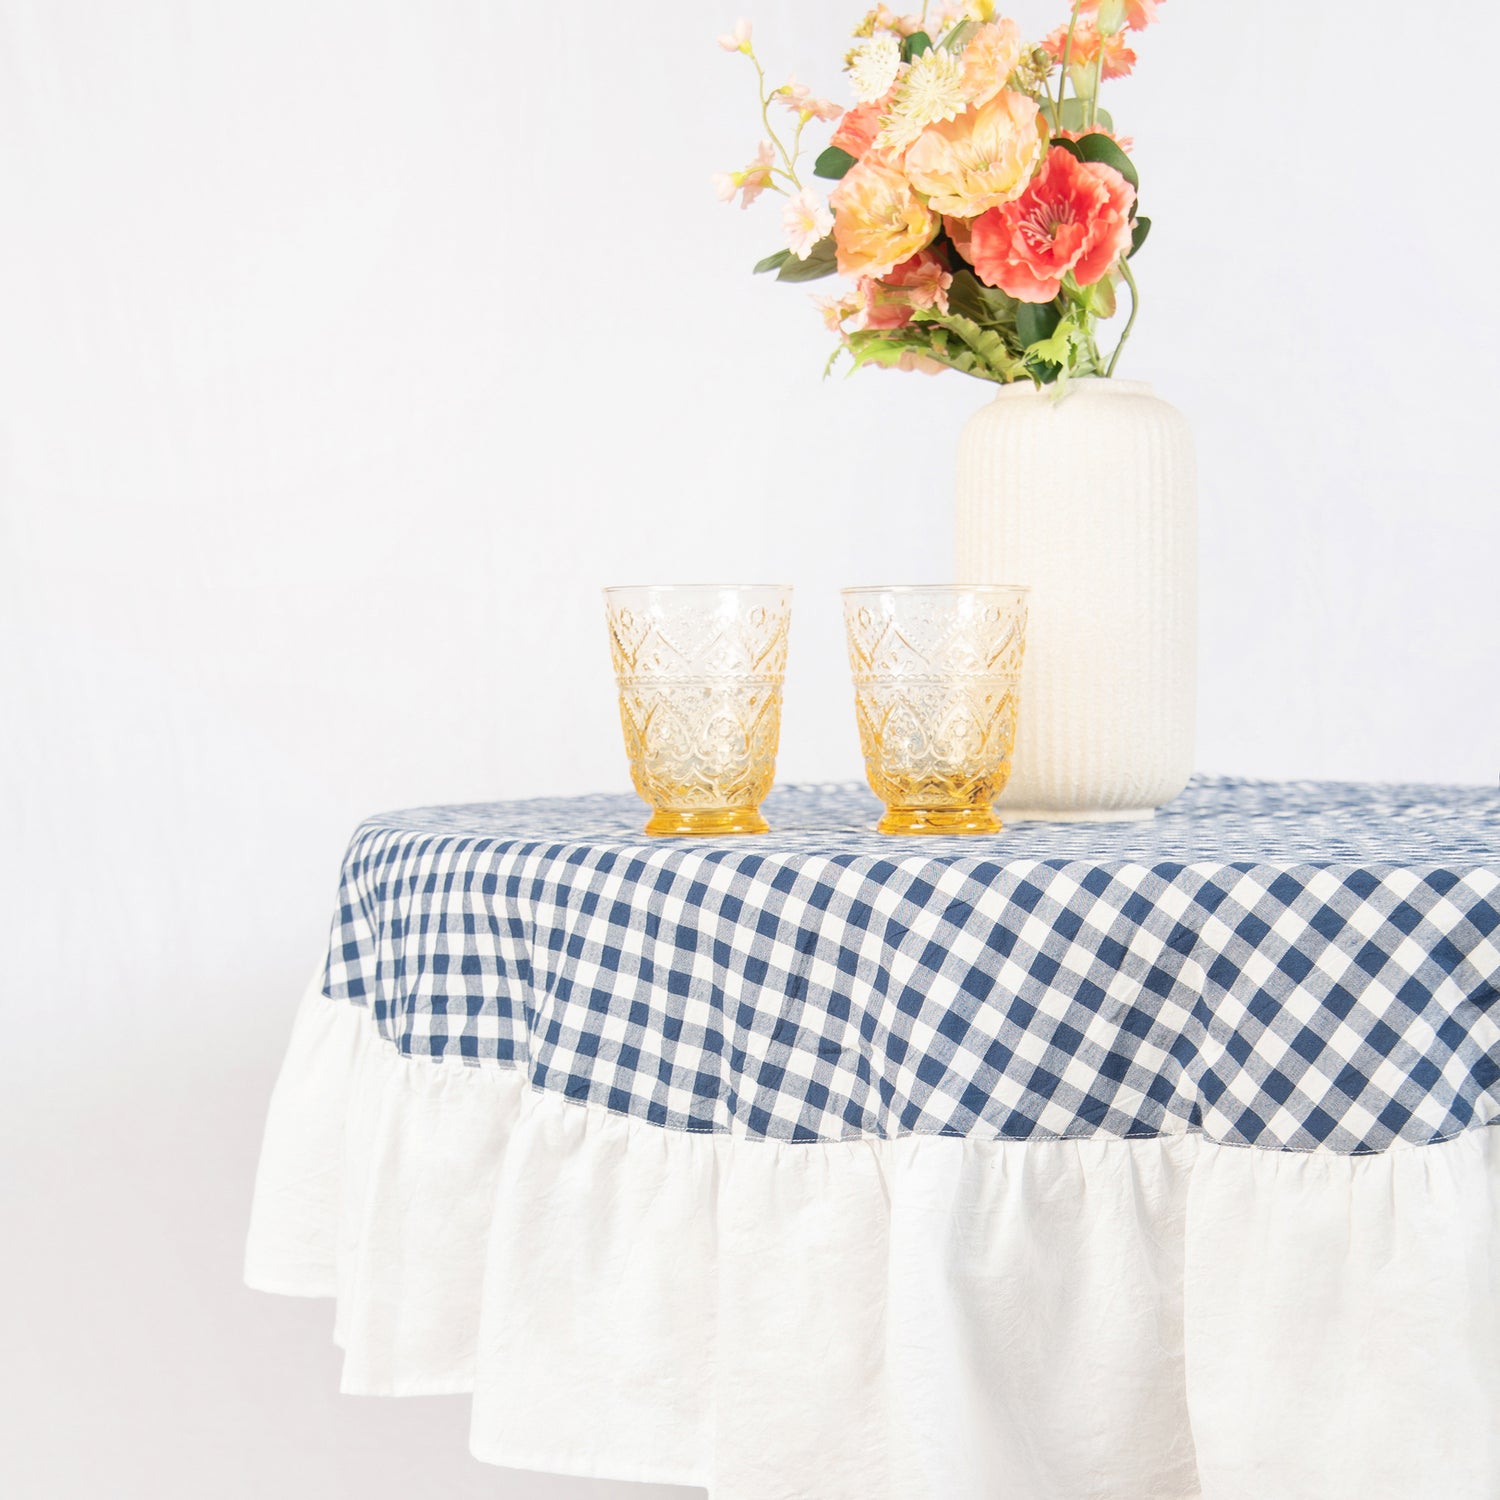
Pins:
x: 1089, y: 497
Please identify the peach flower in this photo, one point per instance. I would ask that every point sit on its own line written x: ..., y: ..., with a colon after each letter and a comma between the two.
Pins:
x: 836, y: 311
x: 883, y: 18
x: 980, y: 160
x: 737, y: 40
x: 749, y: 184
x: 911, y: 360
x: 1074, y: 216
x: 879, y: 221
x: 989, y: 60
x: 802, y: 102
x: 1119, y: 59
x: 806, y: 220
x: 961, y: 233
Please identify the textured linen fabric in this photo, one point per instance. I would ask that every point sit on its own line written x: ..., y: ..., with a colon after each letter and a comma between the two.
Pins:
x: 1278, y: 965
x: 1080, y: 1163
x: 927, y: 1318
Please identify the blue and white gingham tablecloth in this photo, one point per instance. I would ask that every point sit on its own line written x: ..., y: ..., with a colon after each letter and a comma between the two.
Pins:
x: 1289, y: 966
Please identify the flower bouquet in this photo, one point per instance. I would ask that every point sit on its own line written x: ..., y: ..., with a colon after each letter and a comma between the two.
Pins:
x: 986, y: 216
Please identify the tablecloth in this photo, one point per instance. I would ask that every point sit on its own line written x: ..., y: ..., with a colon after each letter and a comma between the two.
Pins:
x: 1082, y: 1160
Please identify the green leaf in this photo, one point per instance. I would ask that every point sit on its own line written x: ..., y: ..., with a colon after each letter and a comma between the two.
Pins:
x: 871, y: 347
x: 1060, y: 348
x: 985, y: 305
x: 821, y: 261
x: 1071, y: 147
x: 772, y: 262
x: 1140, y: 230
x: 1102, y: 149
x: 1036, y: 322
x: 915, y: 45
x: 999, y: 360
x: 833, y: 163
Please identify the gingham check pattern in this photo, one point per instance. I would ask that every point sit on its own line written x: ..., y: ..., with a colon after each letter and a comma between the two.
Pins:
x: 1291, y: 966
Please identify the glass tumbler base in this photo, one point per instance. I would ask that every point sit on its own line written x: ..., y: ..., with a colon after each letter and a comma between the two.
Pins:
x: 705, y: 822
x: 929, y: 820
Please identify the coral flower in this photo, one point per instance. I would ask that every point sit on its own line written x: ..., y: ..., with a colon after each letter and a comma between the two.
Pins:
x: 880, y: 309
x: 922, y: 281
x: 1118, y: 58
x: 982, y: 159
x: 879, y: 221
x: 1139, y: 14
x: 989, y: 59
x: 925, y: 280
x: 857, y: 130
x: 1074, y: 216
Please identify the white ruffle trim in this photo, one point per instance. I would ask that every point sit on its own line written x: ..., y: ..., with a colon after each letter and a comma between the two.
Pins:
x: 918, y: 1319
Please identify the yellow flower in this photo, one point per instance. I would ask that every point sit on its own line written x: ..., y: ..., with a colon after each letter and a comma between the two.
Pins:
x: 980, y: 160
x: 989, y: 59
x: 878, y: 220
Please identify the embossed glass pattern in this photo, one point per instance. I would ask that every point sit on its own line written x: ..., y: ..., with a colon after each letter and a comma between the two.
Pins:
x: 937, y: 677
x: 700, y: 671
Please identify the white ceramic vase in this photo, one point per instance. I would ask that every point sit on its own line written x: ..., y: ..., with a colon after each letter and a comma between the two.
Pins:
x: 1088, y: 497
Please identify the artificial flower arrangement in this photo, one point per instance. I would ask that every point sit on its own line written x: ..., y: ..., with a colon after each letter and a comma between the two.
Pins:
x: 986, y: 218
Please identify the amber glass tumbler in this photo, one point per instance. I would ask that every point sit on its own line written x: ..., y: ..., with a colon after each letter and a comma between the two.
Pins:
x: 937, y: 680
x: 700, y: 670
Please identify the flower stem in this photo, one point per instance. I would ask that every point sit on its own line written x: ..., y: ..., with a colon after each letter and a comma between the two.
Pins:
x: 1135, y: 306
x: 765, y: 115
x: 1098, y: 84
x: 1067, y: 57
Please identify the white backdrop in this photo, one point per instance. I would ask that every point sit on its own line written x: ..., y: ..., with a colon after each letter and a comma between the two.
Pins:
x: 346, y: 349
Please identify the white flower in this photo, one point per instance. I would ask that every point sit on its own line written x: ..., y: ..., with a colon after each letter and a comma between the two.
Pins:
x: 806, y: 220
x: 873, y: 68
x: 737, y: 40
x: 932, y: 90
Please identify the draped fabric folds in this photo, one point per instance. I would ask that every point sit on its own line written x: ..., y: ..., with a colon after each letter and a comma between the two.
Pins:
x: 923, y: 1318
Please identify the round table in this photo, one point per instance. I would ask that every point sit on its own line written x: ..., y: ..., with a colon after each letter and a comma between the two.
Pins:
x: 1080, y: 1162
